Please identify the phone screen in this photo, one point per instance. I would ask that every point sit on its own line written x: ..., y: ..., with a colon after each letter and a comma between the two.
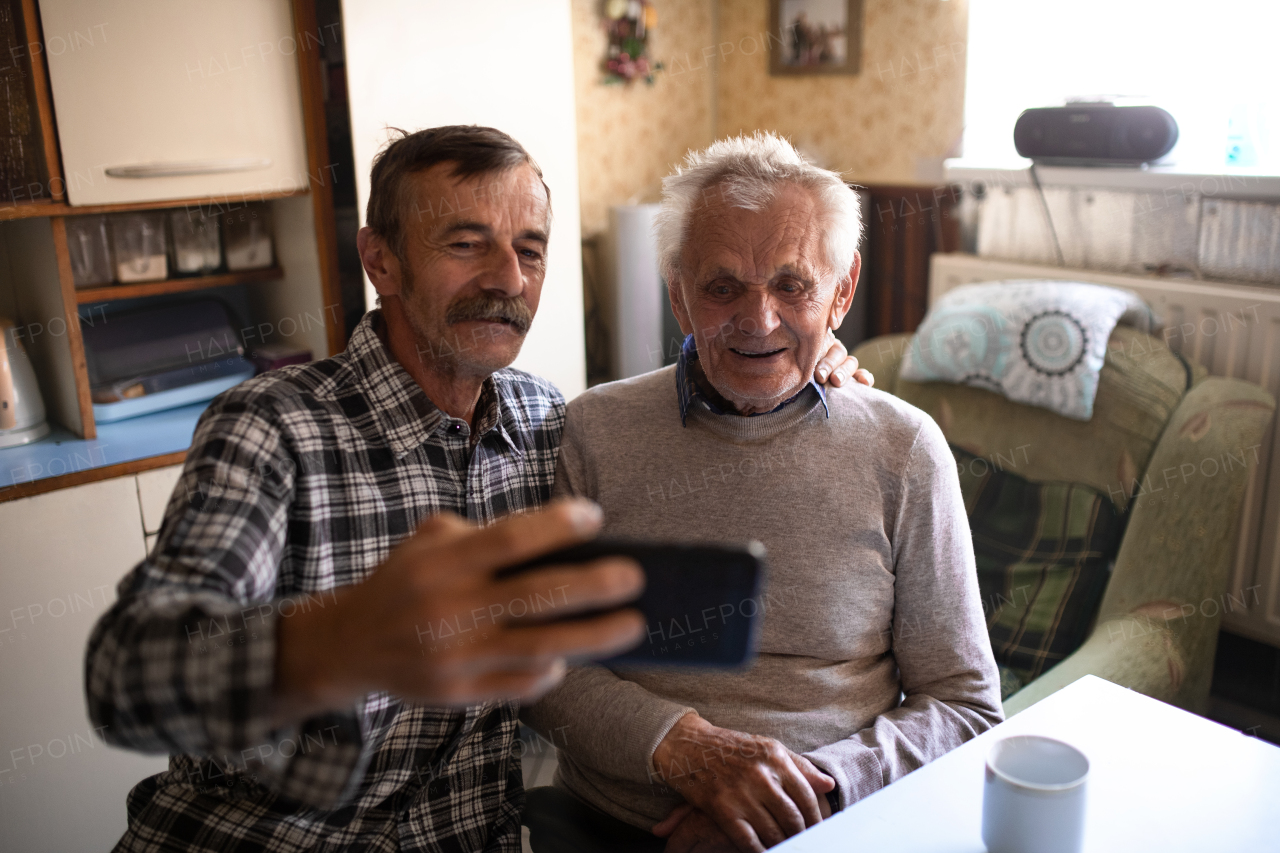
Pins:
x: 701, y: 603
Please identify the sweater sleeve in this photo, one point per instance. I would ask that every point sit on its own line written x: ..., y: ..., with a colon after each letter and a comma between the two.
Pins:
x: 607, y: 723
x: 574, y: 477
x: 939, y: 637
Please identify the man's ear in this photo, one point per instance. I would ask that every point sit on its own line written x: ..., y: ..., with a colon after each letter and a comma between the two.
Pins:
x: 844, y: 293
x: 676, y: 296
x: 379, y: 262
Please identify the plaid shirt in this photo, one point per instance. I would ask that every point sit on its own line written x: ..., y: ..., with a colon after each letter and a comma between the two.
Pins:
x: 297, y: 482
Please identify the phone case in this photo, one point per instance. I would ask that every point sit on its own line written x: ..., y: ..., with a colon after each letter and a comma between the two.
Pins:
x: 701, y: 603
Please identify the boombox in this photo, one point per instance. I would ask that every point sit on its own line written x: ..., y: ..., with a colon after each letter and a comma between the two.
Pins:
x: 1094, y: 134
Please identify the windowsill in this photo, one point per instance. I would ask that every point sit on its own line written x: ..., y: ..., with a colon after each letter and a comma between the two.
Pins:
x: 1229, y: 183
x: 60, y: 453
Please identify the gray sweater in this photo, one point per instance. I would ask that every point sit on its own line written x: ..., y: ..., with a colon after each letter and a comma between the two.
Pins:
x: 874, y: 656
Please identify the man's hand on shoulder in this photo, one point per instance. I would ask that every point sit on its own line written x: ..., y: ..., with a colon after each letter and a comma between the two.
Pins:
x: 756, y: 790
x: 432, y: 625
x: 840, y: 367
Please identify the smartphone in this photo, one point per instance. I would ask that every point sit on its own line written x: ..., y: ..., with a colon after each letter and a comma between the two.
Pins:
x: 701, y: 603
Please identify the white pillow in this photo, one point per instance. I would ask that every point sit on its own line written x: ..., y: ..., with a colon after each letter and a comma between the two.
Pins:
x: 1036, y: 342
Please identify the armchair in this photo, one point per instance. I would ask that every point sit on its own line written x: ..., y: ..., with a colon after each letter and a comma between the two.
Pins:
x: 1174, y: 450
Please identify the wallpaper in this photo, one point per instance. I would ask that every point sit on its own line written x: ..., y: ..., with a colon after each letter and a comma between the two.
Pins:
x: 630, y: 137
x: 890, y: 124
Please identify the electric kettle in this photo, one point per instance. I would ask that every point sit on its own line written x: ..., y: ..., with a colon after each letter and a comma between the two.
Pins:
x: 21, y: 409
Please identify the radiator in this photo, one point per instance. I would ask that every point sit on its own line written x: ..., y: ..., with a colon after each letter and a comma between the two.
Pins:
x: 1234, y: 331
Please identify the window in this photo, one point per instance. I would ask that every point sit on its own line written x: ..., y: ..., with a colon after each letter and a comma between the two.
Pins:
x: 1212, y: 66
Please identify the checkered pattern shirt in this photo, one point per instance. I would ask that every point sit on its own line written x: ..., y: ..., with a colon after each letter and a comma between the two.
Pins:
x: 297, y: 482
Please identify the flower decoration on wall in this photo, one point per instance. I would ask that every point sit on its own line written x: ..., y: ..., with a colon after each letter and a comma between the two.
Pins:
x: 628, y: 24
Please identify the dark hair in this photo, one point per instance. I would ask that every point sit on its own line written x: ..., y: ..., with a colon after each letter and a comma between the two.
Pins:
x: 473, y: 150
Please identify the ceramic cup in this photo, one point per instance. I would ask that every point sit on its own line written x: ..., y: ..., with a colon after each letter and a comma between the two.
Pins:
x: 1033, y: 801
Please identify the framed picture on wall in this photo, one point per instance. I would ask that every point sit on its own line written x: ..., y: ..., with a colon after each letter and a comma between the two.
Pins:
x: 817, y: 36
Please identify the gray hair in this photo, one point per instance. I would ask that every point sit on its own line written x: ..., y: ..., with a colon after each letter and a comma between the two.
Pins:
x: 748, y: 171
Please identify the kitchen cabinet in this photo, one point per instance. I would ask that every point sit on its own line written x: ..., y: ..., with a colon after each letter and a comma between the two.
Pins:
x: 116, y: 75
x: 176, y: 99
x: 62, y: 554
x: 154, y: 489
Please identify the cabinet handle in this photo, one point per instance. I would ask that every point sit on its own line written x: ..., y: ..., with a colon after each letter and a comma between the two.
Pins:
x: 194, y: 167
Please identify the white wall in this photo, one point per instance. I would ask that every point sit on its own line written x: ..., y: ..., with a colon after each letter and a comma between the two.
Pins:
x: 508, y: 64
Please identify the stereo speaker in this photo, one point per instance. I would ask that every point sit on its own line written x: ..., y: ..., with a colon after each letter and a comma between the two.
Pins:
x: 1094, y: 134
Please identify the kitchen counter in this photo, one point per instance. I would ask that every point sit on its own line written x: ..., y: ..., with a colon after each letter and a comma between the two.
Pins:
x: 61, y: 453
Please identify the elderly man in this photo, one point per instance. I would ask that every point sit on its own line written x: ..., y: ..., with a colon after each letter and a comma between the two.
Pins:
x: 874, y: 657
x: 317, y: 638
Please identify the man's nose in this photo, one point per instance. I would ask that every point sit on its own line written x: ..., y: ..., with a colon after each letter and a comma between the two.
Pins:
x: 758, y: 314
x: 504, y: 275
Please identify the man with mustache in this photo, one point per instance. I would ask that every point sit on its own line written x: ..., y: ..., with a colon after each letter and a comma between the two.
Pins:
x: 874, y: 656
x: 317, y: 638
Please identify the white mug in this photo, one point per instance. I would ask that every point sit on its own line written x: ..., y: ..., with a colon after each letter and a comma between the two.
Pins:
x: 1033, y: 801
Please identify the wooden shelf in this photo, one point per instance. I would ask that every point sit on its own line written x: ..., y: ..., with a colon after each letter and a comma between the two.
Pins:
x: 90, y: 475
x: 36, y: 239
x: 31, y: 209
x: 114, y: 292
x: 26, y: 210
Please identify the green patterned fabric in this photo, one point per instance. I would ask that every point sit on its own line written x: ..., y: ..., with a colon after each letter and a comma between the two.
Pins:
x: 1180, y: 535
x: 1010, y: 682
x: 1140, y: 385
x: 1043, y: 552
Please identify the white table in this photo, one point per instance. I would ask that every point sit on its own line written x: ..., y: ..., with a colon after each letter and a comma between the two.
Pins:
x: 1160, y: 779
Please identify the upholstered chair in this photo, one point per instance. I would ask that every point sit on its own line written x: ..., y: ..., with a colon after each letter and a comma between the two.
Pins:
x: 1157, y: 476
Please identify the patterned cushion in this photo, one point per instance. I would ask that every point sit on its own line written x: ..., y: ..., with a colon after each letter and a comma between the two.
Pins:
x: 1141, y: 383
x: 1044, y: 553
x: 1042, y: 343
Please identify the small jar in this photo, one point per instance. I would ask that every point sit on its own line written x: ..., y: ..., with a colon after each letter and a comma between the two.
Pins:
x: 138, y: 242
x: 197, y: 248
x: 246, y: 235
x: 89, y: 250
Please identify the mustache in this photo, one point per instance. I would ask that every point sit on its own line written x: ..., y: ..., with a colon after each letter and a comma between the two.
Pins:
x: 482, y: 306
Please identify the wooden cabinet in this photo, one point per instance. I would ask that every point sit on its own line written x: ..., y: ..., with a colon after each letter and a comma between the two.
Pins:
x: 176, y: 99
x: 126, y: 90
x: 61, y: 787
x: 154, y: 489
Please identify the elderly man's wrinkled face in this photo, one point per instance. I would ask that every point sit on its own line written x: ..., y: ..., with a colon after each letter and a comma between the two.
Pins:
x: 758, y: 295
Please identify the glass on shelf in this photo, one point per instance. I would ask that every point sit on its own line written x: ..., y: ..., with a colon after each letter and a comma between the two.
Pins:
x: 246, y: 235
x: 90, y: 254
x: 197, y: 249
x: 137, y: 239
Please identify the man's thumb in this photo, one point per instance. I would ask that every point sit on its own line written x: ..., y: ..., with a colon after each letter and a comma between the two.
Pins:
x: 821, y: 782
x: 671, y: 821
